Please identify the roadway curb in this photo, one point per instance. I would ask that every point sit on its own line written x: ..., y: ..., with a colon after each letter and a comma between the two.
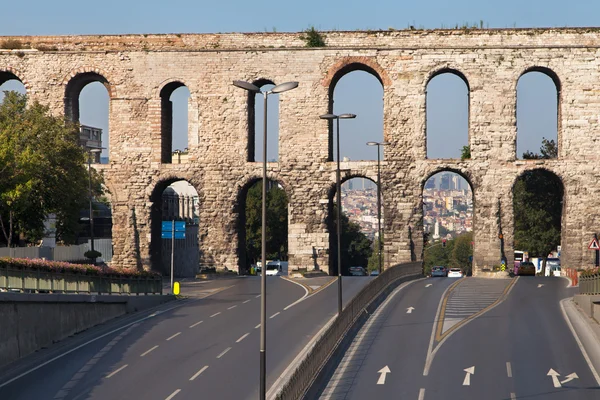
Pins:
x: 586, y: 333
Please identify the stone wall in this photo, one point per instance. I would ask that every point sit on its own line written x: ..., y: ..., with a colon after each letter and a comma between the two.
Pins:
x: 135, y: 69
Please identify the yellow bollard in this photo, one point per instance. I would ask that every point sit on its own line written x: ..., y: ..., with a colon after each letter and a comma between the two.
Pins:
x: 176, y: 288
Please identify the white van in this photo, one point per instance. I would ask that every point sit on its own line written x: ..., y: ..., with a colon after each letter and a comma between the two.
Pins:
x: 274, y: 268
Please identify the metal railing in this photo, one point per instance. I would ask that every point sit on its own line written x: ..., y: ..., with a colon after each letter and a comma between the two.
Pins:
x: 310, y: 367
x: 37, y: 281
x: 590, y: 284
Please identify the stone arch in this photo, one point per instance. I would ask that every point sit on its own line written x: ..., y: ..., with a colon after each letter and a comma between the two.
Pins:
x: 251, y: 136
x: 341, y: 68
x: 550, y: 73
x: 239, y: 211
x: 446, y: 69
x: 74, y: 84
x: 9, y: 73
x: 154, y: 194
x: 548, y: 197
x: 331, y: 220
x: 165, y: 91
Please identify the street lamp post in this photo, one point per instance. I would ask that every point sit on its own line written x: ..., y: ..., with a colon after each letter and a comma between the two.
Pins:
x: 263, y: 293
x: 378, y: 144
x: 91, y: 150
x: 338, y: 190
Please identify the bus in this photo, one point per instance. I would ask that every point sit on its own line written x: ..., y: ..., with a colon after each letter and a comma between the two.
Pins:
x: 520, y: 256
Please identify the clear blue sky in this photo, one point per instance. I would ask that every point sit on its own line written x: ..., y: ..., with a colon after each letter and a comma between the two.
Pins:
x: 446, y: 95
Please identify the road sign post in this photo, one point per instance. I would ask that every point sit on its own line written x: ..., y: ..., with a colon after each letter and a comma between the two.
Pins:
x: 173, y: 230
x: 595, y: 246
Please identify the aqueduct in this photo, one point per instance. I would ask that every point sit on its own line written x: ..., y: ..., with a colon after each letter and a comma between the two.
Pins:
x: 140, y: 71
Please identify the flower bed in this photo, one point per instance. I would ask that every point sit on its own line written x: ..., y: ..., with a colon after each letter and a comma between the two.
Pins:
x: 64, y: 267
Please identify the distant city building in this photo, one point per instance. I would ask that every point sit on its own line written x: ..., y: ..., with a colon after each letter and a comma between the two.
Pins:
x: 430, y: 184
x: 180, y: 157
x: 445, y: 182
x: 91, y: 138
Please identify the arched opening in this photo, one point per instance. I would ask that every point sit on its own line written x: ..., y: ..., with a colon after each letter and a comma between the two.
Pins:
x: 447, y: 115
x: 448, y: 222
x: 359, y: 226
x: 10, y: 82
x: 357, y: 89
x: 256, y: 123
x: 538, y: 112
x: 174, y: 102
x: 538, y: 200
x: 174, y: 200
x: 249, y: 229
x: 87, y: 101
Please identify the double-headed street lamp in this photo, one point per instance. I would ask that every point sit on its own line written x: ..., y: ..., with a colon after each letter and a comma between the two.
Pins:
x: 332, y: 117
x: 263, y: 298
x: 378, y: 144
x: 92, y: 150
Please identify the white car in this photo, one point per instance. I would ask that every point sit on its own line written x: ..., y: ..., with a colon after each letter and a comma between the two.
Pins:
x: 455, y: 273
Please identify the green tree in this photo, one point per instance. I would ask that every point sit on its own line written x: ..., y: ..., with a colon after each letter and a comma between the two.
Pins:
x: 277, y: 223
x: 537, y: 205
x: 462, y: 253
x: 356, y: 247
x: 437, y: 254
x: 465, y: 153
x: 42, y: 171
x: 373, y: 264
x: 548, y: 150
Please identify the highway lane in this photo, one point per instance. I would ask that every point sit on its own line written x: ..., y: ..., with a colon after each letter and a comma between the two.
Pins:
x: 213, y: 340
x: 512, y: 347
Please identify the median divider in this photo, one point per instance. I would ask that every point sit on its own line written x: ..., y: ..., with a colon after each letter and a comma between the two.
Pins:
x: 320, y: 360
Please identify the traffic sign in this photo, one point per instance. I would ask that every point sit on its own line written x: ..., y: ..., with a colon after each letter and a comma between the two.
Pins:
x: 594, y: 245
x: 168, y: 226
x: 169, y: 235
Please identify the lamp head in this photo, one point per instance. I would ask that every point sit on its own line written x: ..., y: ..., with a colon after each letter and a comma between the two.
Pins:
x: 284, y: 87
x: 372, y: 143
x: 247, y: 86
x: 328, y: 116
x: 347, y: 116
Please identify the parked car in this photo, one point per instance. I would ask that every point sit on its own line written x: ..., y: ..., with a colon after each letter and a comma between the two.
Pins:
x: 439, y: 271
x: 357, y: 271
x: 374, y: 273
x: 455, y: 273
x: 526, y: 268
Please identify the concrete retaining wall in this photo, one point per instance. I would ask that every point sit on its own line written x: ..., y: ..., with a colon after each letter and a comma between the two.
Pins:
x: 31, y: 322
x: 590, y: 304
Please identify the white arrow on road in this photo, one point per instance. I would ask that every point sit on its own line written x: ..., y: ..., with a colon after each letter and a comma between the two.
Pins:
x: 409, y: 310
x: 540, y: 285
x: 470, y: 371
x: 383, y: 371
x: 430, y: 284
x: 554, y: 376
x: 570, y: 377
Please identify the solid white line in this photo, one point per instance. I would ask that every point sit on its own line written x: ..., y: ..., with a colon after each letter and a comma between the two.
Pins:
x: 214, y: 315
x: 114, y: 372
x: 422, y: 394
x: 274, y: 315
x: 232, y: 307
x: 242, y: 338
x: 245, y: 301
x: 257, y: 326
x: 143, y: 354
x: 300, y: 299
x: 177, y: 334
x: 508, y: 369
x: 223, y: 353
x: 173, y: 394
x: 197, y: 323
x: 198, y: 373
x: 585, y: 354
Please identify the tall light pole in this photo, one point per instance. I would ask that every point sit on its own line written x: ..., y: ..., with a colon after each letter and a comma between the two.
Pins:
x: 91, y: 151
x: 378, y: 144
x: 338, y: 190
x: 263, y: 293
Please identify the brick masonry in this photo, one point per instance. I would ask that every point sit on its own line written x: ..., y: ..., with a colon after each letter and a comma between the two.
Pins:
x: 136, y: 68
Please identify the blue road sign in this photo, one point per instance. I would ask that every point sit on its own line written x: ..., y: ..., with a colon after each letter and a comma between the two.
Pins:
x: 169, y: 235
x: 167, y: 226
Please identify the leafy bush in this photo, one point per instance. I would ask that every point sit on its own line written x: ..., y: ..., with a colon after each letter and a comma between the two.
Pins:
x: 64, y: 267
x: 313, y: 38
x: 11, y: 44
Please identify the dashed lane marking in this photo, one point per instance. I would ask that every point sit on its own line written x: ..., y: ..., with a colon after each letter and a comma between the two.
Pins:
x: 175, y: 335
x: 197, y: 323
x: 242, y: 338
x: 215, y: 314
x: 274, y: 315
x: 224, y: 352
x: 117, y: 371
x: 508, y: 369
x: 148, y: 351
x: 197, y: 374
x: 173, y: 394
x: 232, y: 307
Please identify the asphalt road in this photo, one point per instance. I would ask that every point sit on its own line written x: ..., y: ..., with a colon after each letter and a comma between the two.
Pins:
x: 203, y: 348
x: 509, y: 344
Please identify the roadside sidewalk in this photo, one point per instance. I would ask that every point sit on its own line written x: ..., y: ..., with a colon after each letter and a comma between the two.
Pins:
x: 586, y: 331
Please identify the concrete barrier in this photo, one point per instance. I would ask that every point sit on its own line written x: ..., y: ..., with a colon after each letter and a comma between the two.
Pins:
x: 34, y: 321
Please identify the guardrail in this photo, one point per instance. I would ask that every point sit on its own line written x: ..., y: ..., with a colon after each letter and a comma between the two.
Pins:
x: 571, y: 274
x: 37, y: 281
x: 589, y: 283
x: 309, y: 368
